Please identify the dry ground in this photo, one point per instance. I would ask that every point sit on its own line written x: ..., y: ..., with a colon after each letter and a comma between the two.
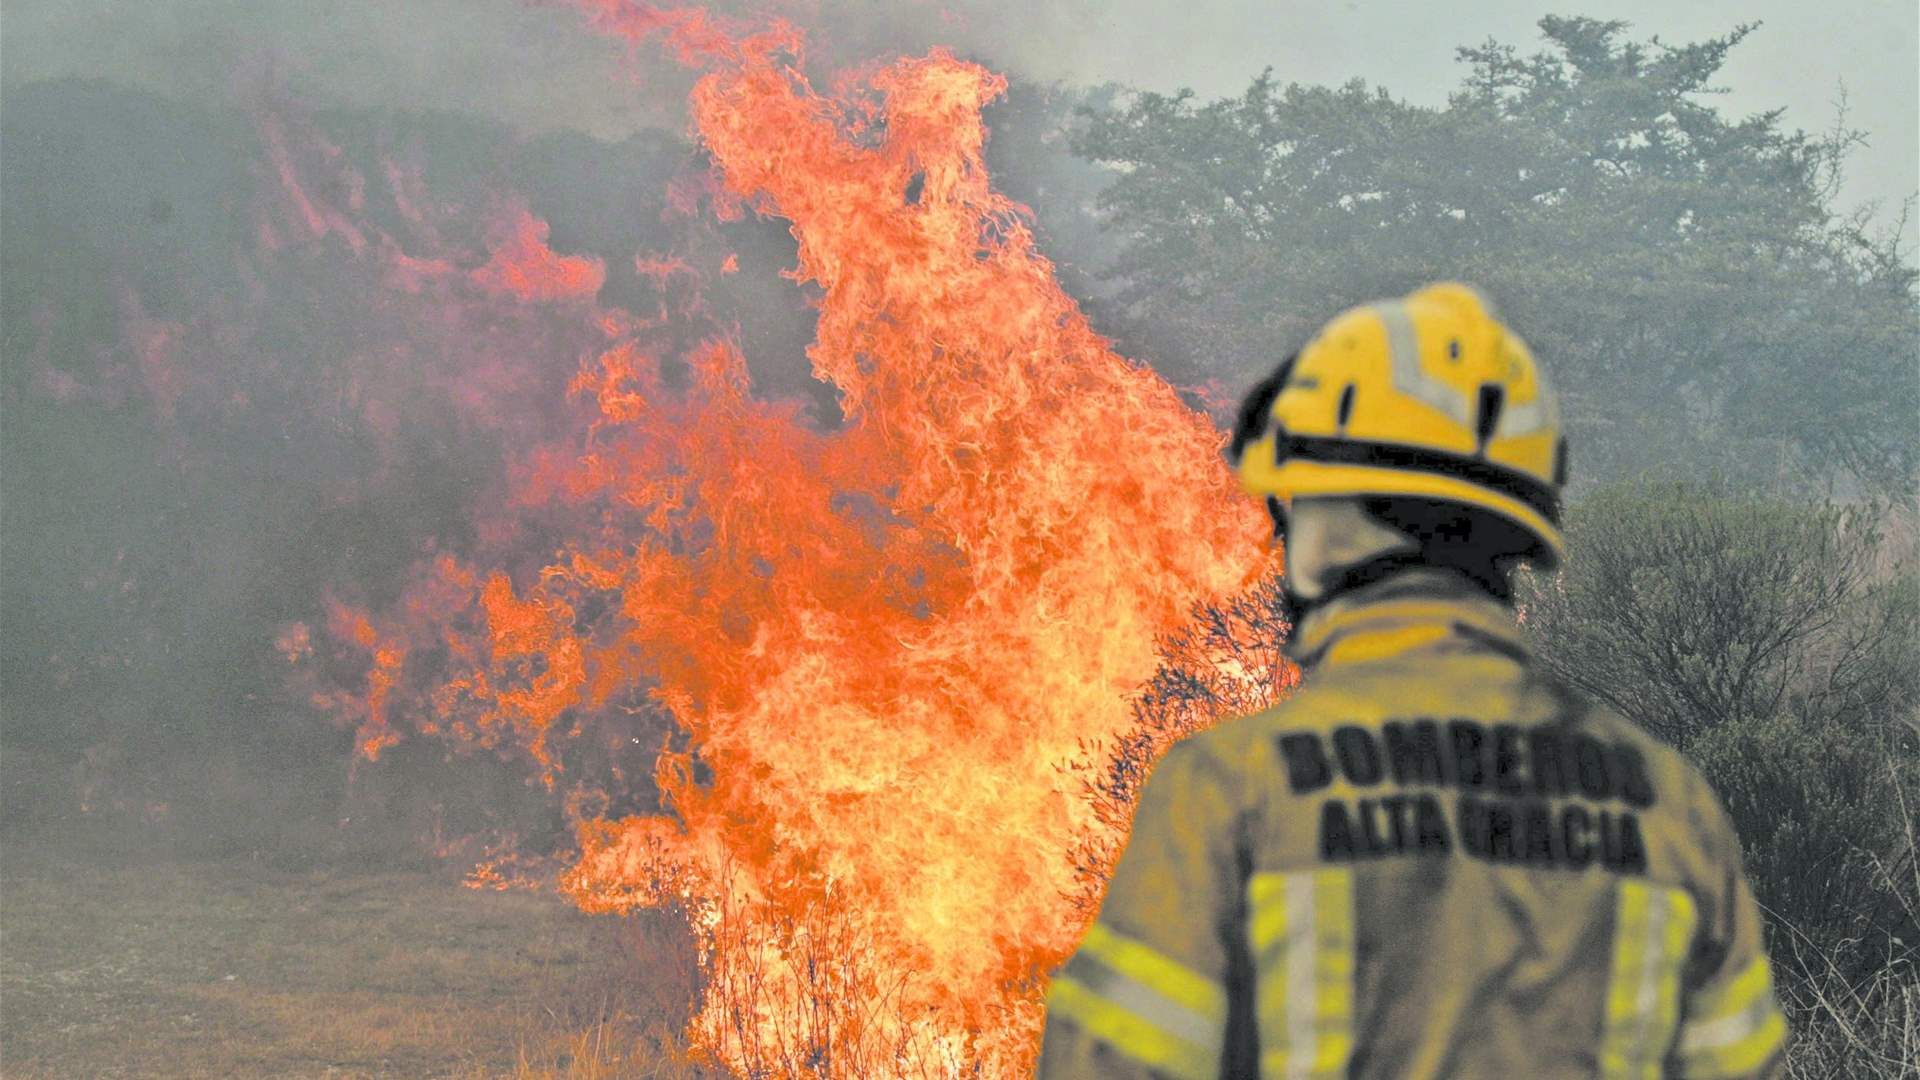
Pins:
x: 146, y: 968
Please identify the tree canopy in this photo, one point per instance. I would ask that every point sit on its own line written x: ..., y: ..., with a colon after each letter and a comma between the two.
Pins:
x: 1685, y: 276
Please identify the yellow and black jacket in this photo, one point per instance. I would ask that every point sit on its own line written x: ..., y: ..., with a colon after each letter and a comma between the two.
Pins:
x: 1431, y: 861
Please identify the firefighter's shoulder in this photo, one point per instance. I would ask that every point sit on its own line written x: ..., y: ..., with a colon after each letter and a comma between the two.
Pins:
x: 1690, y: 837
x: 1680, y: 785
x: 1328, y: 701
x: 1205, y: 761
x: 1242, y: 753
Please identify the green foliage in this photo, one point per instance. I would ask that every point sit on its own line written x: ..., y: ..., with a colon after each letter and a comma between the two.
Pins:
x: 1684, y: 276
x: 1771, y: 640
x: 1688, y: 608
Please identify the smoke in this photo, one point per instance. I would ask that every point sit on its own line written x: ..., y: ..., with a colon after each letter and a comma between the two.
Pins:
x: 506, y: 61
x: 231, y: 388
x: 237, y: 384
x: 527, y: 65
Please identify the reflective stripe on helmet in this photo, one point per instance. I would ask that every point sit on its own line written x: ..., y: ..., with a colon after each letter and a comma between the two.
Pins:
x: 1300, y: 928
x: 1409, y: 376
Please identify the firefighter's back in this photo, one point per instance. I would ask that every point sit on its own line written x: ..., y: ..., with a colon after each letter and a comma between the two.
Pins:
x: 1458, y: 867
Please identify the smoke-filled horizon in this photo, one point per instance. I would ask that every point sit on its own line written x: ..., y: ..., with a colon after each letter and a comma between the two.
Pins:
x: 533, y: 66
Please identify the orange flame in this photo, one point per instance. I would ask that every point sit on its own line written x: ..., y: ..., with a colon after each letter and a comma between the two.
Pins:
x: 524, y: 266
x: 883, y: 643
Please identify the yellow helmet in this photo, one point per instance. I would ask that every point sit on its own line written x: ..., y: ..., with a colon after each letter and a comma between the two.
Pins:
x: 1429, y: 397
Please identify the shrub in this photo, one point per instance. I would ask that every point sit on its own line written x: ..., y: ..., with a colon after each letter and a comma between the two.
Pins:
x: 1773, y: 641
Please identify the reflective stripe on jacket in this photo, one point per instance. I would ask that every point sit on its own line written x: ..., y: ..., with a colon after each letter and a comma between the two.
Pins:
x: 1431, y: 861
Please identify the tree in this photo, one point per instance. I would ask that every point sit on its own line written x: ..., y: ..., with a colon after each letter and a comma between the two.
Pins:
x: 1684, y: 276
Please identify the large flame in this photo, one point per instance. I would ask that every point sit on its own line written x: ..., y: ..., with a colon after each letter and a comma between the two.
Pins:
x: 883, y: 640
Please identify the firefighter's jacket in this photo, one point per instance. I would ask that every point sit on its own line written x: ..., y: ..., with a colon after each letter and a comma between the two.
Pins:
x: 1433, y: 860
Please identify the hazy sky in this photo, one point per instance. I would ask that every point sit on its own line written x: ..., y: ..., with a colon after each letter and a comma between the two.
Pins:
x: 535, y: 66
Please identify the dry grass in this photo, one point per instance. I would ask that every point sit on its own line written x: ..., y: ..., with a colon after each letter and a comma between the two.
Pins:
x: 228, y: 969
x: 1855, y: 1029
x: 1848, y: 1025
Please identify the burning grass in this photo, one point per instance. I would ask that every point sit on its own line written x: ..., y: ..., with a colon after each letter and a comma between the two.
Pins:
x: 231, y: 969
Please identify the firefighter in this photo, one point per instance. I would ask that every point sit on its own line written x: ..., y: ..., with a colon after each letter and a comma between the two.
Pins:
x: 1432, y: 860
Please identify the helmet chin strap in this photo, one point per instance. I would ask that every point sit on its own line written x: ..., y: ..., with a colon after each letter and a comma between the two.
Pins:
x: 1333, y: 545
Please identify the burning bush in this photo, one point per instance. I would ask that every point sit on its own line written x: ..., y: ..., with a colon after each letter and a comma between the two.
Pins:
x: 878, y: 640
